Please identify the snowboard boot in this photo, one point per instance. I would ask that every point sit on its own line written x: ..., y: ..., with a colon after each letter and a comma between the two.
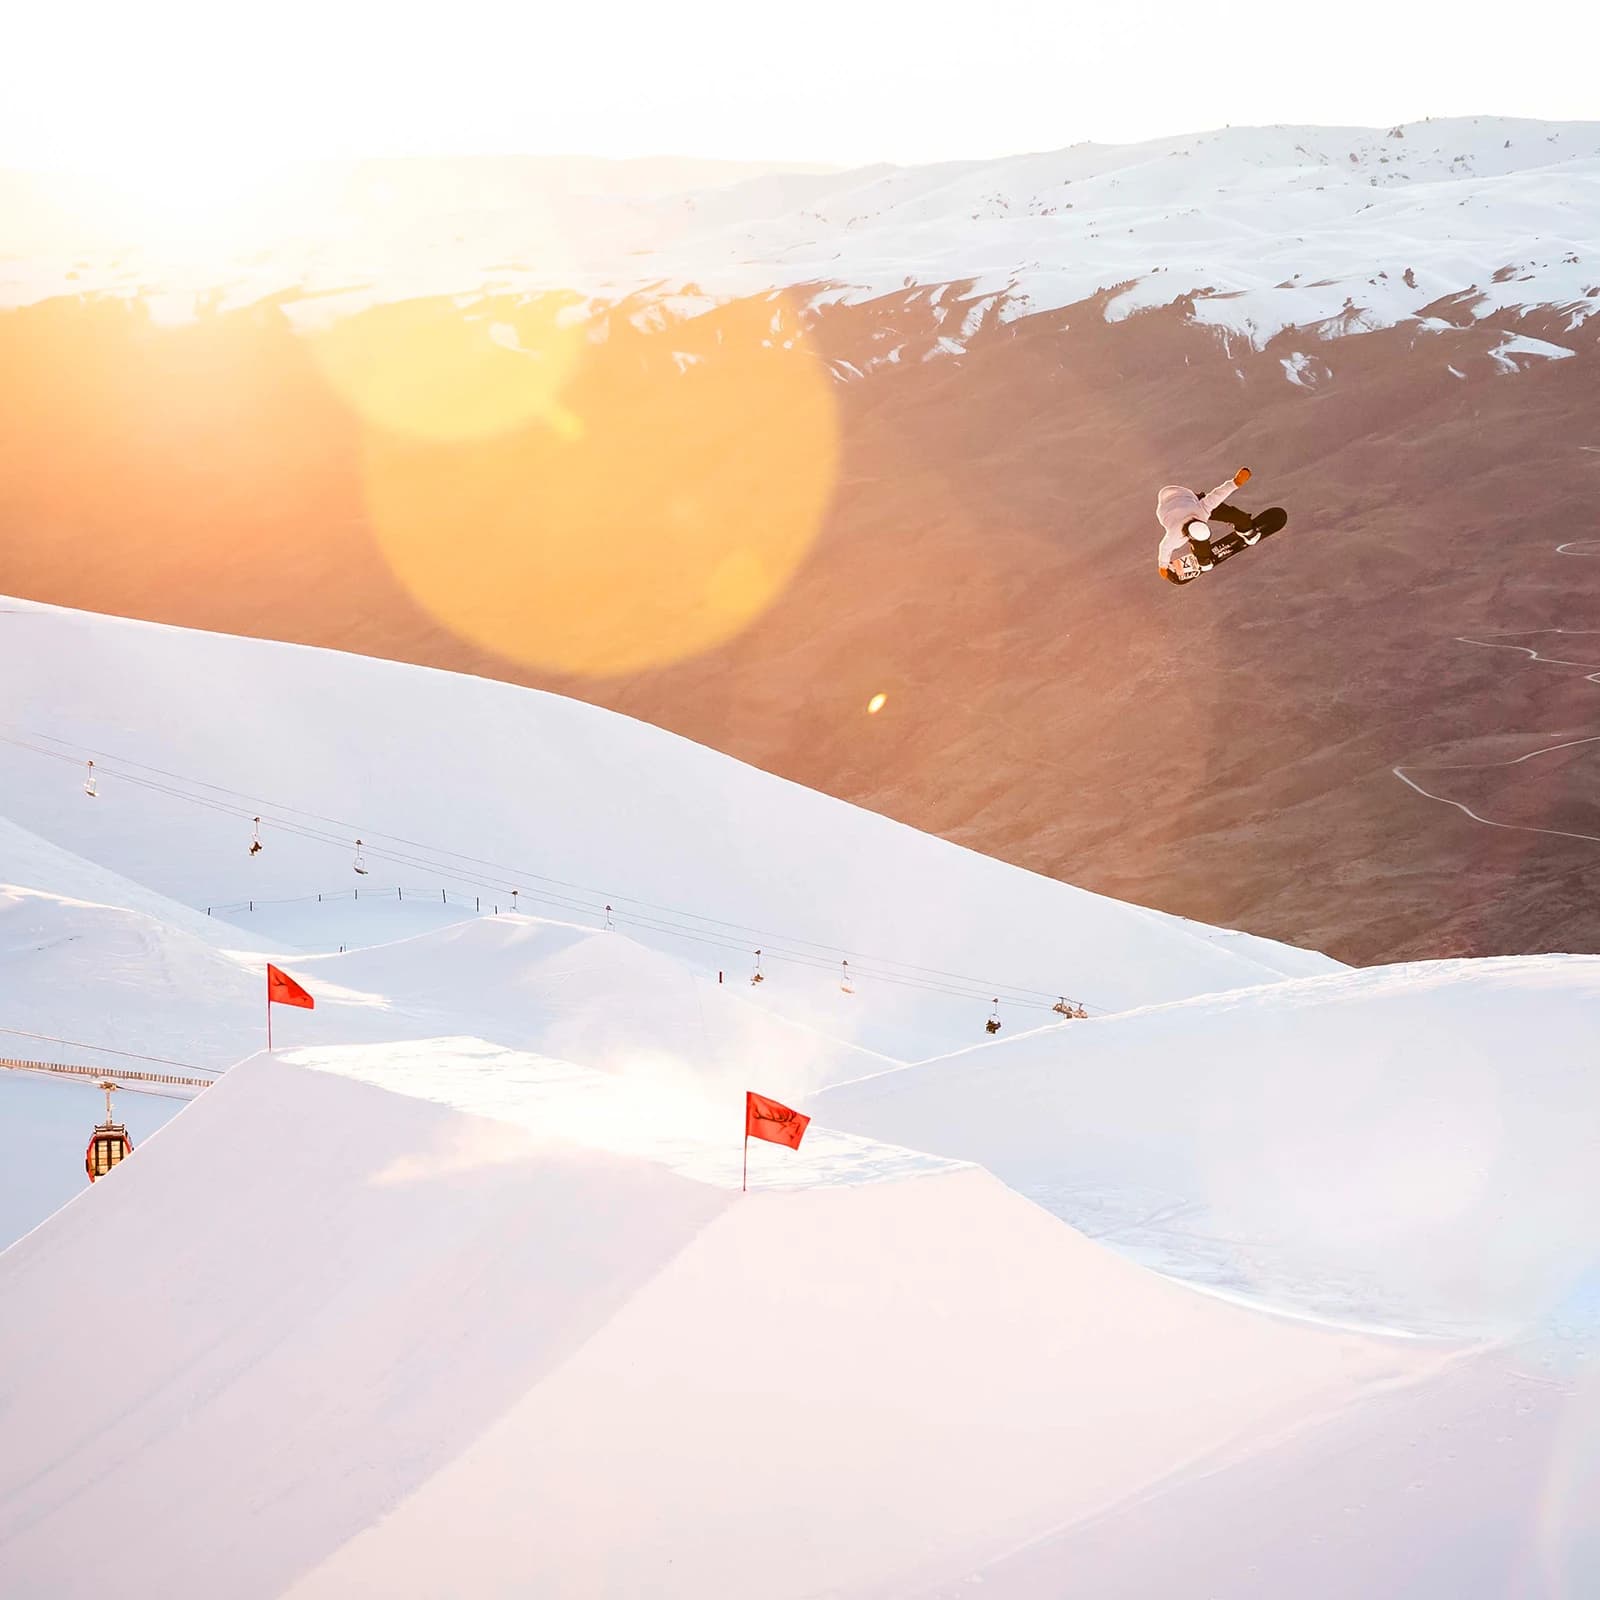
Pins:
x: 1240, y: 522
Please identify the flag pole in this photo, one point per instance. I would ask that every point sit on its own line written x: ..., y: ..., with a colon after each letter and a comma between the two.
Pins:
x: 269, y: 1022
x: 744, y: 1181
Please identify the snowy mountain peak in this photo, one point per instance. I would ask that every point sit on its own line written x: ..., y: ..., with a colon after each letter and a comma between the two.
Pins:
x: 1335, y: 229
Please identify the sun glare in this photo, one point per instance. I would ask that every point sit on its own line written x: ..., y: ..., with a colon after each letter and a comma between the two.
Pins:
x: 423, y: 369
x: 572, y: 506
x: 196, y: 206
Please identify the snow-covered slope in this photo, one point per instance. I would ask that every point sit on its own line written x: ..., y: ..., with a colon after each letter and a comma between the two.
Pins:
x: 132, y: 983
x: 30, y: 862
x: 703, y: 860
x: 443, y: 1356
x: 597, y: 997
x: 484, y: 788
x: 1336, y: 229
x: 138, y: 983
x: 1409, y: 1145
x: 1482, y: 1484
x: 459, y: 1292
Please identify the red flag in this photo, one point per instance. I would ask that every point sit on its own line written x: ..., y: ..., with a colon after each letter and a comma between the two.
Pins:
x: 285, y: 991
x: 766, y: 1119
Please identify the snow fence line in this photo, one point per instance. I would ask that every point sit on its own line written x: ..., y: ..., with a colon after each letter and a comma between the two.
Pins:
x: 475, y: 900
x: 17, y: 1064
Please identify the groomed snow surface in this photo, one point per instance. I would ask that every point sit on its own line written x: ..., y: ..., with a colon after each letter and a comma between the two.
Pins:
x: 1270, y: 1278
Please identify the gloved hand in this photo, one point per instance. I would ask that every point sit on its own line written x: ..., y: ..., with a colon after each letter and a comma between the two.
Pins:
x: 1241, y: 477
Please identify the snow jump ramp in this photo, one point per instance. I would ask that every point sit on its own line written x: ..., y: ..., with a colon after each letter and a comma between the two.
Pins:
x: 325, y: 1339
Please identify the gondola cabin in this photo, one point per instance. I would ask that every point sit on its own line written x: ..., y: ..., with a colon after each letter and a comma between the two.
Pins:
x: 108, y: 1144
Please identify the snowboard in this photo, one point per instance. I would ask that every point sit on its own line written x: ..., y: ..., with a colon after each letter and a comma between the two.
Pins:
x: 1226, y: 545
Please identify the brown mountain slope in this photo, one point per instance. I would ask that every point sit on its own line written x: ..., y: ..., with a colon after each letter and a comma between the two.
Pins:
x: 984, y: 556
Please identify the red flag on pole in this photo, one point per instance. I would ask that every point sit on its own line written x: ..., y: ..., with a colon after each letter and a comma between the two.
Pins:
x: 284, y: 991
x: 767, y: 1119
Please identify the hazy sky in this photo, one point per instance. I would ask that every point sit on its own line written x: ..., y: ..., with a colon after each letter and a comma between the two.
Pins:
x: 108, y: 85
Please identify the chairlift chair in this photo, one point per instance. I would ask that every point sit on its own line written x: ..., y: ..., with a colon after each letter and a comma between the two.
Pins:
x: 359, y: 864
x: 755, y: 977
x: 89, y: 783
x: 993, y: 1024
x: 255, y: 838
x: 845, y: 985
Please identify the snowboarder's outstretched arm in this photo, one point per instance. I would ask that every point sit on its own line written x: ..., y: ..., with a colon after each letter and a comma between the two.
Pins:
x: 1223, y: 490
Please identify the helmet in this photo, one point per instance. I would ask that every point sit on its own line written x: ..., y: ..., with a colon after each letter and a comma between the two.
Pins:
x: 1198, y: 530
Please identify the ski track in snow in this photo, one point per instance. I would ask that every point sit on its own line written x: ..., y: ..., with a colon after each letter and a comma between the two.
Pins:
x: 1587, y: 547
x: 1534, y: 655
x: 1489, y: 822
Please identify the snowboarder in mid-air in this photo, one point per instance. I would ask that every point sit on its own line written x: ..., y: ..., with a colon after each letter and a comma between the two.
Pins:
x: 1189, y: 543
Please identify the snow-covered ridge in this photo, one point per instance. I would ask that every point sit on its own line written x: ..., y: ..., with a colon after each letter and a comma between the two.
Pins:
x: 1336, y: 230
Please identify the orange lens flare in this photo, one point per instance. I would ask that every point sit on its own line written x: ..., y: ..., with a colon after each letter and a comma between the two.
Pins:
x: 424, y: 369
x: 589, y: 508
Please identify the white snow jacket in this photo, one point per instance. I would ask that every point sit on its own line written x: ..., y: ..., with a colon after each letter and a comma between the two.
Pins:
x: 1177, y: 507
